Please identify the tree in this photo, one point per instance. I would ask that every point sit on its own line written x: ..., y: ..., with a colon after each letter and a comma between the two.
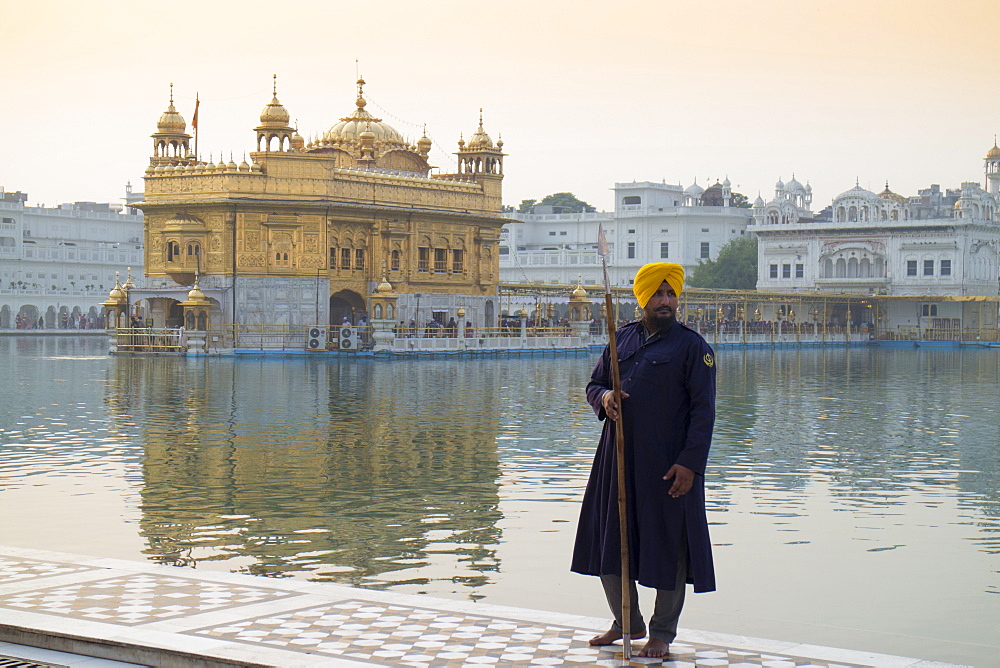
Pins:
x: 526, y: 205
x: 568, y: 202
x: 734, y: 269
x: 740, y: 201
x: 507, y: 208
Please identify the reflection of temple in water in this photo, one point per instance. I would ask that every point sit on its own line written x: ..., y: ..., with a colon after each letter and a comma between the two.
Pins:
x: 333, y: 470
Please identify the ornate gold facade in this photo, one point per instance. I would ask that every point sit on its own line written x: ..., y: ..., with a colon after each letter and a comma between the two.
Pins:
x: 313, y: 226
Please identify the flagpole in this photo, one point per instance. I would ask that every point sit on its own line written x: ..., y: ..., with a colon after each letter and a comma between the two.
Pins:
x: 616, y: 387
x: 194, y: 124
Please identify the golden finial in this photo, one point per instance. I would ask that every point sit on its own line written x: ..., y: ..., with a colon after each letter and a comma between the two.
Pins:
x: 274, y: 90
x: 480, y: 119
x: 171, y: 92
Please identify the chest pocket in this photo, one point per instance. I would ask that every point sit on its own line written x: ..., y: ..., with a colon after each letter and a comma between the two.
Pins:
x: 657, y: 369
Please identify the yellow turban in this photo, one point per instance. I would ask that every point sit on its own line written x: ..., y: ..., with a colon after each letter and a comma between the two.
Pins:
x: 651, y: 276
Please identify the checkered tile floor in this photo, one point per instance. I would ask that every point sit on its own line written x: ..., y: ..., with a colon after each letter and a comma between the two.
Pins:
x: 420, y: 637
x: 22, y: 569
x: 137, y: 599
x: 295, y: 623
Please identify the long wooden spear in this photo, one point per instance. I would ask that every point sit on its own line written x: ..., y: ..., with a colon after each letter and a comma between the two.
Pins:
x: 616, y: 387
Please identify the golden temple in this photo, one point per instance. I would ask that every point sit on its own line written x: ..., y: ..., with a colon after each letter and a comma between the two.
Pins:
x: 305, y: 231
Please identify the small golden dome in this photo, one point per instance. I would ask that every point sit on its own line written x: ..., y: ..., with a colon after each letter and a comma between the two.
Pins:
x: 117, y: 295
x: 384, y: 287
x: 170, y: 121
x: 480, y: 139
x: 993, y: 152
x: 274, y: 114
x: 298, y: 143
x: 579, y: 292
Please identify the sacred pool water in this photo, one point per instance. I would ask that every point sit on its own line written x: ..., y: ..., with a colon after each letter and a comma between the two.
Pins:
x: 854, y: 493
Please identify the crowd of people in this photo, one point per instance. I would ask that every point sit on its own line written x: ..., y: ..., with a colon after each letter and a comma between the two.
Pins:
x: 65, y: 321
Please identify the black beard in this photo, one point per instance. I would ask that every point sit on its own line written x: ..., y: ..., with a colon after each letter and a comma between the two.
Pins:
x: 659, y: 321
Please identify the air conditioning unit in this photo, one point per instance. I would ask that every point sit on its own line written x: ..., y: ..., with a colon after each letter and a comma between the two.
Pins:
x: 348, y: 338
x: 316, y: 338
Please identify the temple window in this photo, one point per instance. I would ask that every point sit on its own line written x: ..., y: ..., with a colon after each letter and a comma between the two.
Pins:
x: 458, y: 261
x: 441, y: 259
x: 359, y: 258
x: 423, y: 258
x: 345, y: 258
x: 394, y: 261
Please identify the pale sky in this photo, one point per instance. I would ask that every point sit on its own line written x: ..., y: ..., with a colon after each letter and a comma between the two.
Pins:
x: 583, y: 93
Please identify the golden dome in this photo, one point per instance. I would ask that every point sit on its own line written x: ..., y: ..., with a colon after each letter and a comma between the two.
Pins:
x: 579, y: 292
x: 274, y: 114
x: 170, y: 121
x: 993, y: 152
x: 480, y: 139
x: 350, y: 128
x: 196, y: 297
x: 384, y: 287
x: 116, y: 297
x: 888, y: 194
x: 298, y: 143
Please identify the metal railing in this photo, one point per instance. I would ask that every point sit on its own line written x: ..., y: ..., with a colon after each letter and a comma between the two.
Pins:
x: 149, y: 340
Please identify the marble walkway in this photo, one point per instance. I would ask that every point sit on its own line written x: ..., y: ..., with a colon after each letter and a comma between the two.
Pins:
x: 166, y: 616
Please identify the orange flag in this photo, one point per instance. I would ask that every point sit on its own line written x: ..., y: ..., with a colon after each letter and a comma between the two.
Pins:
x: 194, y: 119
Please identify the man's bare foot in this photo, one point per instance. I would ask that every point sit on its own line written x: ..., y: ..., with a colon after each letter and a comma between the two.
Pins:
x: 655, y: 648
x: 610, y: 636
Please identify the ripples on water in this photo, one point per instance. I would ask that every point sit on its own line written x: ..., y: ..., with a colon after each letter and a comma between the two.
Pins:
x: 397, y: 474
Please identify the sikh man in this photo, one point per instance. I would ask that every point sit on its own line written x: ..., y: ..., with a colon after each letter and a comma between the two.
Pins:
x: 668, y: 411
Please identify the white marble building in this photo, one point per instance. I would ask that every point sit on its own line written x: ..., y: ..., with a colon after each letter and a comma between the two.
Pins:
x: 58, y: 263
x: 877, y: 244
x: 652, y: 222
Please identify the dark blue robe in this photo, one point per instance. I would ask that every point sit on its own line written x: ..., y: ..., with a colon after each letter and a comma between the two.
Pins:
x: 668, y: 420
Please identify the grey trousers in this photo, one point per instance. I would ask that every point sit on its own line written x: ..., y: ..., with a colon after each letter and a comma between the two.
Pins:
x: 666, y: 612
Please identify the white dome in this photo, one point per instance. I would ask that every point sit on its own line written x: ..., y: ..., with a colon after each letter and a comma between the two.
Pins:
x: 857, y: 191
x: 694, y: 190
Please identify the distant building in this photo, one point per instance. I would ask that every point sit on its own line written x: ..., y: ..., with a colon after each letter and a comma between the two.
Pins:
x: 652, y: 222
x: 57, y: 264
x: 939, y: 245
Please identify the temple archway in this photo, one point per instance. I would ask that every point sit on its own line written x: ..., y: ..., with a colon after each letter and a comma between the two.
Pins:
x: 346, y: 304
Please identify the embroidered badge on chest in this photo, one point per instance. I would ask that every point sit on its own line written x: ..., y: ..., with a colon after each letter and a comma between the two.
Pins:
x: 709, y: 361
